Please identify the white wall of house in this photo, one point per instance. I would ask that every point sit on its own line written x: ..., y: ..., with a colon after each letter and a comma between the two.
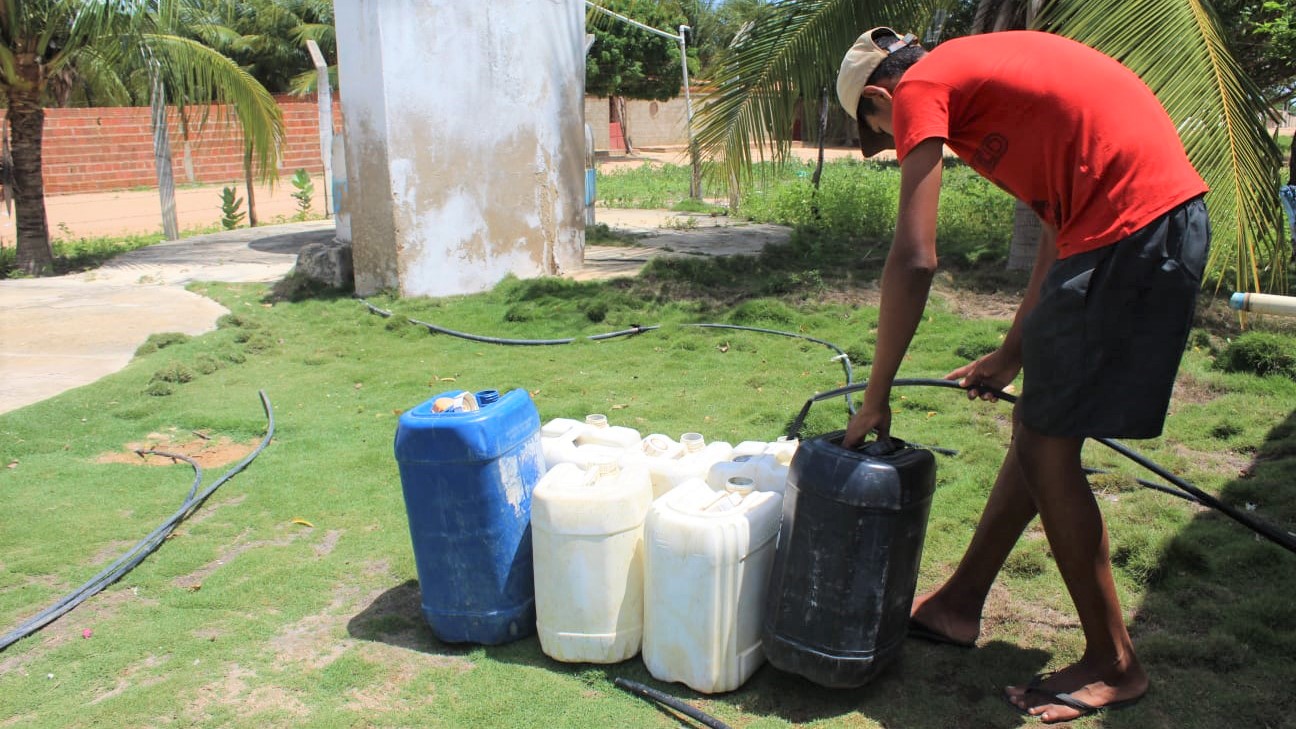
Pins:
x: 464, y: 141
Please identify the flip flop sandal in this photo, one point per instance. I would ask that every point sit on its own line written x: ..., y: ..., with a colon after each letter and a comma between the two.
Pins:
x: 922, y: 632
x: 1065, y: 699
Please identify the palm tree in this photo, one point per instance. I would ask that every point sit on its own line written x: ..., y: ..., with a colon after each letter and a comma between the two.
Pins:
x: 109, y: 44
x: 1179, y: 47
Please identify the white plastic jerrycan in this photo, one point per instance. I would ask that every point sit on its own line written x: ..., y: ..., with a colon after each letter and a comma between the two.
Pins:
x: 587, y: 528
x: 764, y: 470
x: 707, y: 566
x: 599, y: 432
x: 558, y: 441
x: 696, y: 458
x: 783, y: 449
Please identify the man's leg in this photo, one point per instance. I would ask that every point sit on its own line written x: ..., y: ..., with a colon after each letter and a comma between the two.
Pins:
x: 1108, y: 671
x: 954, y: 609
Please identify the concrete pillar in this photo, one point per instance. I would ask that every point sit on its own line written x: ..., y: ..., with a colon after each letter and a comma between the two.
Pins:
x: 464, y: 140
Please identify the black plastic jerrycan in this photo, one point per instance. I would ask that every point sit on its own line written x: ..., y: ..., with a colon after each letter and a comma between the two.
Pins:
x: 847, y: 561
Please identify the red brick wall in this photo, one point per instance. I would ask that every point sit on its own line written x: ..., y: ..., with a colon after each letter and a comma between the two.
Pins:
x: 111, y: 148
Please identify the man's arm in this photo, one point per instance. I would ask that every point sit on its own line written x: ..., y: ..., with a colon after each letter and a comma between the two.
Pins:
x: 997, y: 369
x: 906, y: 281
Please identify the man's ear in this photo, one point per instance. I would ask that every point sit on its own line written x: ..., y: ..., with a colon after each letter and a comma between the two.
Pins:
x: 876, y: 92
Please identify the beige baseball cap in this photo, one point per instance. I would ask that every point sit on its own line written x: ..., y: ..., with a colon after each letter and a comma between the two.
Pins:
x: 860, y: 62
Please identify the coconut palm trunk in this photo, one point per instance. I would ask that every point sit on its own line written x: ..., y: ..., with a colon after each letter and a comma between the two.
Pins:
x: 27, y: 125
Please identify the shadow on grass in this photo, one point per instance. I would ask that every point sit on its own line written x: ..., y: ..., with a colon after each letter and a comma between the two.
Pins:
x: 1216, y: 630
x: 929, y: 685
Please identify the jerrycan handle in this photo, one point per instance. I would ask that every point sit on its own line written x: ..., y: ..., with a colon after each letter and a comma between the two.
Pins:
x: 882, y: 447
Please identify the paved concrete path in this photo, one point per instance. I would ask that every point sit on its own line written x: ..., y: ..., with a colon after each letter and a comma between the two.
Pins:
x: 63, y: 332
x: 66, y: 331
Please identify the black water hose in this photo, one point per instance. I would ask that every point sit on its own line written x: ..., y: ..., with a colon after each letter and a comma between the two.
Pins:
x: 1181, y: 488
x: 436, y: 329
x: 635, y: 329
x: 1185, y: 490
x: 670, y: 702
x: 145, y: 546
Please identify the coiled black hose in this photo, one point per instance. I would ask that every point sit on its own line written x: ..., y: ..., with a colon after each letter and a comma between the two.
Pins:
x: 145, y: 546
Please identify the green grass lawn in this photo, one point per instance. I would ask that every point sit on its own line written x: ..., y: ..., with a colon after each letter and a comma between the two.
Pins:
x: 289, y: 599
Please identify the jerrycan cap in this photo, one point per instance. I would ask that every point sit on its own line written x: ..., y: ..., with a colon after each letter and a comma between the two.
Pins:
x: 741, y: 485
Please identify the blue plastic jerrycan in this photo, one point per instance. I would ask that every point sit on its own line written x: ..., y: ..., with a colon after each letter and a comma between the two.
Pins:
x: 467, y: 477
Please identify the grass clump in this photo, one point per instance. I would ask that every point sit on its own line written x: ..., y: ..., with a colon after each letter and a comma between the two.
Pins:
x: 600, y: 234
x: 175, y: 372
x: 691, y: 205
x: 1260, y: 353
x: 159, y: 341
x: 157, y: 388
x: 978, y: 345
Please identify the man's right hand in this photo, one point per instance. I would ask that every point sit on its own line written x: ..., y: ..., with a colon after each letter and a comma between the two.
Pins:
x: 867, y: 420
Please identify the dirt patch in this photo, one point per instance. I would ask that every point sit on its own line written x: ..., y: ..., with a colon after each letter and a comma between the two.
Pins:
x: 328, y: 543
x: 1221, y: 461
x: 400, y: 668
x: 126, y: 679
x: 208, y: 452
x: 1190, y: 390
x: 232, y: 690
x: 110, y: 551
x: 969, y: 304
x: 194, y: 580
x: 317, y: 640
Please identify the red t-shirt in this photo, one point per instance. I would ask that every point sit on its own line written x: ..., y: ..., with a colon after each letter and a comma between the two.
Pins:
x: 1065, y: 129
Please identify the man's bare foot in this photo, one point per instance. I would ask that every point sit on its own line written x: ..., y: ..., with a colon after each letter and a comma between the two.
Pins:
x: 1080, y: 689
x: 933, y: 613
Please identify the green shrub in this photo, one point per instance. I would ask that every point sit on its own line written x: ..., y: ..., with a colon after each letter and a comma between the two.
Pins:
x: 162, y: 340
x: 158, y: 389
x: 977, y: 346
x: 175, y: 372
x: 231, y: 216
x: 207, y: 364
x: 763, y: 312
x: 301, y: 181
x: 1026, y: 563
x: 235, y: 321
x: 1260, y: 353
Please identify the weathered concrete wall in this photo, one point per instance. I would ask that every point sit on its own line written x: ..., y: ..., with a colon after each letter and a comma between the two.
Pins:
x: 464, y: 139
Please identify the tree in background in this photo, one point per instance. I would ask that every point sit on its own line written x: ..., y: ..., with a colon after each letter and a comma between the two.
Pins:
x: 715, y: 26
x: 1264, y: 39
x: 1181, y: 48
x: 49, y: 47
x: 268, y: 38
x: 630, y: 63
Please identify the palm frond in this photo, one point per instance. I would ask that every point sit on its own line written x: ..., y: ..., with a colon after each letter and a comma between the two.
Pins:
x: 196, y: 74
x: 1179, y: 49
x: 101, y: 77
x: 307, y: 82
x: 321, y: 33
x: 791, y: 53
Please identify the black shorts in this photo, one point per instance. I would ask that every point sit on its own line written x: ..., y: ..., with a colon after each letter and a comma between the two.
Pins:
x: 1101, y: 347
